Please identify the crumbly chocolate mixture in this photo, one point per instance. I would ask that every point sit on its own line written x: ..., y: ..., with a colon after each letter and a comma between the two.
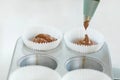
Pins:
x: 85, y: 41
x: 43, y: 38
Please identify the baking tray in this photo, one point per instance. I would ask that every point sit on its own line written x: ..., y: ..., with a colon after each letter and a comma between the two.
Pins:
x: 61, y: 59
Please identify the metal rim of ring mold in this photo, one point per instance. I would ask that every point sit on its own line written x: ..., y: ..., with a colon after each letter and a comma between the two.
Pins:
x: 76, y: 63
x: 37, y: 59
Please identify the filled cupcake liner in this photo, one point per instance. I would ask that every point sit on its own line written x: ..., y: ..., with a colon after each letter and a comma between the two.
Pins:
x: 33, y: 31
x: 79, y: 33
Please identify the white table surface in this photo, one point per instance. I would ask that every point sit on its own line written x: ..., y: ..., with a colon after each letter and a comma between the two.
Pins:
x: 15, y: 15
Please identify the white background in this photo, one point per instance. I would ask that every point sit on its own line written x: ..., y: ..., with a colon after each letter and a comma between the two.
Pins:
x: 15, y: 15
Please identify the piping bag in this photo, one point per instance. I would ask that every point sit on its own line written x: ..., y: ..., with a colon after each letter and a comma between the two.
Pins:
x: 89, y: 10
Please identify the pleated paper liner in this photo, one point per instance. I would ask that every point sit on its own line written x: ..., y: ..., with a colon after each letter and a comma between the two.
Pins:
x: 33, y: 31
x: 79, y: 33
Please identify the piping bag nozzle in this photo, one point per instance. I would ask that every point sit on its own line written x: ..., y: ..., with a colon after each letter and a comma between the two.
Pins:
x: 90, y: 8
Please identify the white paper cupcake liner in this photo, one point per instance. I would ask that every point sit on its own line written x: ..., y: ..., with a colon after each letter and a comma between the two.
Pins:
x: 79, y: 33
x: 85, y: 74
x: 33, y: 31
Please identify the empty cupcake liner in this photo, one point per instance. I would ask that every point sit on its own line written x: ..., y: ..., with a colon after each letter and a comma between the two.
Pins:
x: 79, y: 33
x: 33, y: 31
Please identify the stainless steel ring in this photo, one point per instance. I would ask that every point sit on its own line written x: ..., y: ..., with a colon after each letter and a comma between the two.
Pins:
x: 37, y: 59
x: 84, y: 62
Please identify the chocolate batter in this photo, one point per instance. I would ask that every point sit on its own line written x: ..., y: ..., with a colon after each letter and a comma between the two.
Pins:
x: 85, y: 41
x: 43, y: 38
x: 86, y: 24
